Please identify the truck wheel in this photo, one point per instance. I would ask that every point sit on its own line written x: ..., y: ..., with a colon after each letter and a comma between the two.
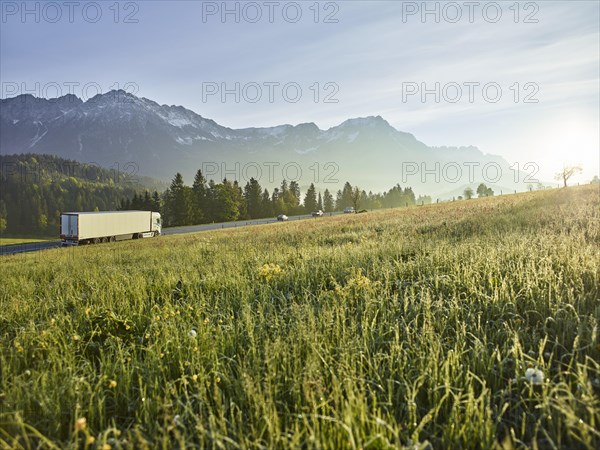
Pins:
x: 113, y: 239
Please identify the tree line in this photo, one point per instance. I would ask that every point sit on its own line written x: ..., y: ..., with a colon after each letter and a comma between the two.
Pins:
x: 207, y: 201
x: 35, y: 189
x: 482, y: 191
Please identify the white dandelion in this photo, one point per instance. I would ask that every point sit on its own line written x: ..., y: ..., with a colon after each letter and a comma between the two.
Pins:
x: 534, y: 376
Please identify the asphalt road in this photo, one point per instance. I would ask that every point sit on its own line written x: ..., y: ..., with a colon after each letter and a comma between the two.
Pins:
x: 243, y: 223
x: 26, y: 248
x: 37, y: 246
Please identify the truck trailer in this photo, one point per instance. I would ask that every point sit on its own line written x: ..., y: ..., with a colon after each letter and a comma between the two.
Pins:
x: 78, y: 228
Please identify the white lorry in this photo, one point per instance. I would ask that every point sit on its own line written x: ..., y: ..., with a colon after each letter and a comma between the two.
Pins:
x: 108, y: 226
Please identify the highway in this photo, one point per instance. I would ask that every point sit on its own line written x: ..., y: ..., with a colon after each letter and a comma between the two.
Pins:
x: 37, y: 246
x: 27, y: 248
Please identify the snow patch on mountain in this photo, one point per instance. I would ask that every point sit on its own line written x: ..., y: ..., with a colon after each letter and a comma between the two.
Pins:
x: 179, y: 122
x: 184, y: 141
x: 38, y: 136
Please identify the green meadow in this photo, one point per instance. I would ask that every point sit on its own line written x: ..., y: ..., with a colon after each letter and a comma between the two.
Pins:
x: 405, y: 328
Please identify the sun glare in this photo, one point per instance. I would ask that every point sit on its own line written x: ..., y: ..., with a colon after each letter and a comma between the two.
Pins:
x: 572, y: 141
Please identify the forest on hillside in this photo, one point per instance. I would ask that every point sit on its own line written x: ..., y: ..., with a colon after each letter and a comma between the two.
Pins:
x: 36, y: 189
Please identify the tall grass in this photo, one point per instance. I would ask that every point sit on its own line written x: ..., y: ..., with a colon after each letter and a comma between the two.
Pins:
x: 402, y: 328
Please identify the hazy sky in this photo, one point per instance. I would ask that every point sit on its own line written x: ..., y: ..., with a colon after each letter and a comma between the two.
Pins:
x: 520, y: 81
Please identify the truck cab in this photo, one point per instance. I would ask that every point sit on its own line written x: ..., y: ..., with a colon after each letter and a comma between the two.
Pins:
x: 156, y: 223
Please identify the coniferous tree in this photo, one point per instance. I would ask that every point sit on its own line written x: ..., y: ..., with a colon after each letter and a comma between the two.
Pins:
x: 266, y: 204
x: 291, y: 198
x: 310, y: 200
x: 147, y: 201
x: 238, y: 195
x: 124, y: 204
x: 155, y: 202
x: 211, y: 201
x: 254, y: 199
x: 135, y: 201
x: 284, y: 187
x: 278, y: 205
x: 320, y: 202
x: 295, y: 189
x: 226, y: 205
x: 347, y: 196
x: 328, y: 203
x: 356, y: 198
x: 199, y: 198
x: 177, y: 204
x: 410, y: 196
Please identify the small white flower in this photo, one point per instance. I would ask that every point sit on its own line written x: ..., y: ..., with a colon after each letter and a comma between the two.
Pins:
x: 177, y: 420
x: 192, y: 333
x: 534, y: 376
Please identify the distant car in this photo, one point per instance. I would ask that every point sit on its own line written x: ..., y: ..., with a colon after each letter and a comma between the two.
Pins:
x: 349, y: 210
x: 317, y: 213
x: 282, y: 217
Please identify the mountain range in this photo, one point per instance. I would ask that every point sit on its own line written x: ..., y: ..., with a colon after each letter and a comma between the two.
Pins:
x: 121, y: 130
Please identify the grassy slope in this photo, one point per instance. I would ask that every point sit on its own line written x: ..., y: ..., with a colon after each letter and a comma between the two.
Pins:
x: 373, y: 331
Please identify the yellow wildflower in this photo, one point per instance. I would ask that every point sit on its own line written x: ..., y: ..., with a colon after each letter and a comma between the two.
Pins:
x: 269, y: 271
x: 81, y: 424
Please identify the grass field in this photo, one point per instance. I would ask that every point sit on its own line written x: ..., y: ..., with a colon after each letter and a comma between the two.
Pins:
x: 17, y: 240
x: 403, y: 328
